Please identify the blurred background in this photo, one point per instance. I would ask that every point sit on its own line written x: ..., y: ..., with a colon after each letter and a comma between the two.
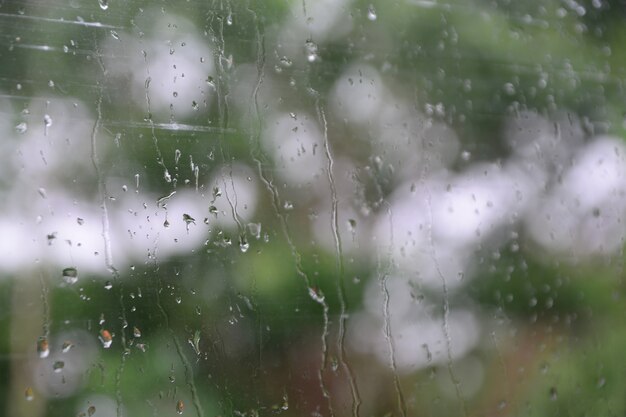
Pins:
x: 312, y: 208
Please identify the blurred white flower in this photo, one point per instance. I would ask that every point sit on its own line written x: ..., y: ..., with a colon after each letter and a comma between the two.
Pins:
x: 169, y: 64
x: 359, y: 94
x: 416, y: 327
x: 297, y: 145
x: 584, y: 213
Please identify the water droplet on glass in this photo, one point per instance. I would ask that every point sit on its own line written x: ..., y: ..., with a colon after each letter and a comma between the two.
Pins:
x: 352, y: 225
x: 213, y: 210
x: 106, y: 338
x: 509, y: 89
x: 371, y: 13
x: 43, y: 348
x: 29, y: 394
x: 188, y: 219
x: 255, y: 229
x: 104, y: 4
x: 553, y: 394
x: 136, y: 332
x: 288, y: 205
x: 42, y: 192
x: 243, y: 244
x: 311, y: 50
x: 67, y: 345
x: 58, y: 366
x: 21, y: 128
x: 47, y: 120
x: 70, y: 275
x: 316, y: 294
x: 229, y: 19
x: 91, y: 410
x: 466, y: 155
x: 180, y: 407
x: 108, y: 285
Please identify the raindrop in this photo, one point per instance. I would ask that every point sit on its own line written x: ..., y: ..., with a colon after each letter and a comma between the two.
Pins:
x: 288, y: 205
x: 42, y: 192
x: 255, y: 229
x: 180, y: 407
x: 43, y: 348
x: 104, y: 4
x: 229, y: 19
x: 108, y: 285
x: 67, y: 345
x: 316, y: 294
x: 47, y: 120
x: 311, y: 50
x: 91, y: 410
x: 70, y: 275
x: 136, y: 332
x: 352, y: 225
x: 243, y: 244
x: 466, y: 155
x: 509, y: 89
x: 553, y: 394
x: 371, y: 13
x: 115, y: 35
x: 106, y: 338
x: 188, y: 219
x: 163, y: 200
x: 213, y: 210
x: 29, y: 394
x: 178, y: 300
x: 58, y: 366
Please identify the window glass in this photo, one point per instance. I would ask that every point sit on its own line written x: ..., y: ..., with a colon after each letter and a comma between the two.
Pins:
x: 312, y: 208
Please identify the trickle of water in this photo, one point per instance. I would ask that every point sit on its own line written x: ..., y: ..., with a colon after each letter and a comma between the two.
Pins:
x: 104, y: 4
x: 70, y: 275
x: 43, y: 348
x: 371, y: 13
